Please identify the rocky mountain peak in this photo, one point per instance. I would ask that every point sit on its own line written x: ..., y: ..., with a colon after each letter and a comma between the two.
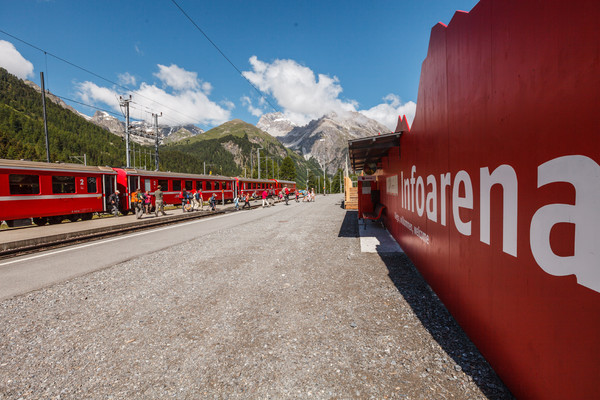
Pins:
x: 275, y: 124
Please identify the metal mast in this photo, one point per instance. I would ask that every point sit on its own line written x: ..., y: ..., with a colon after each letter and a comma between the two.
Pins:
x: 125, y: 103
x: 156, y: 139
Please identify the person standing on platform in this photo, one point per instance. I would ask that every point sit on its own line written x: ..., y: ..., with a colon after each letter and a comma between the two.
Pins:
x: 213, y: 202
x: 113, y: 199
x: 147, y: 202
x: 159, y: 206
x: 183, y: 195
x: 264, y: 198
x: 236, y: 203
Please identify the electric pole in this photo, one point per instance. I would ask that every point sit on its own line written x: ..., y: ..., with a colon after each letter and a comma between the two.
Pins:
x: 125, y: 103
x: 45, y: 120
x: 156, y: 139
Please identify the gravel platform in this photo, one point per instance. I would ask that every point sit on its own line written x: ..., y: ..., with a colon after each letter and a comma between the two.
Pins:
x: 285, y: 307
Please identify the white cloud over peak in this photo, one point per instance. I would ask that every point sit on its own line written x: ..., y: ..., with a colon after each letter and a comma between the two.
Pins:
x: 181, y: 97
x: 301, y: 94
x: 14, y: 62
x: 388, y: 112
x: 304, y: 96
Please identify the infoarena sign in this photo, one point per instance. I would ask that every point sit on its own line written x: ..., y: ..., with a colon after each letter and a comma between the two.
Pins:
x: 494, y: 193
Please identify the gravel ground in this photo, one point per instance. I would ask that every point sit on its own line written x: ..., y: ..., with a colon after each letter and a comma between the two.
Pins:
x: 284, y: 307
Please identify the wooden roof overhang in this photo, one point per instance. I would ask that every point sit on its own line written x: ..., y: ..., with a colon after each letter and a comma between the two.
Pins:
x: 368, y: 151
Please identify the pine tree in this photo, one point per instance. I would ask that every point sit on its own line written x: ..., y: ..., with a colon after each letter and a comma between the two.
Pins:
x: 287, y: 171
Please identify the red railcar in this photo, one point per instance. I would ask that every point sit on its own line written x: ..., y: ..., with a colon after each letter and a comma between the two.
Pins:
x: 281, y: 184
x: 253, y: 186
x: 52, y: 192
x: 172, y: 184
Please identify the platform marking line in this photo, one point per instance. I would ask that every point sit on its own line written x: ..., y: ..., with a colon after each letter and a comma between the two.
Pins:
x: 110, y: 240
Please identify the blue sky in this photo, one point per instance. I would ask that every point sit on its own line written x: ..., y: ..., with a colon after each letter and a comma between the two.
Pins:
x: 307, y: 57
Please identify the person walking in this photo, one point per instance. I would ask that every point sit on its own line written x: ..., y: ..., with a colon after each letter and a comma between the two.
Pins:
x: 297, y: 197
x: 286, y: 195
x: 137, y: 200
x: 247, y: 201
x: 236, y: 203
x: 264, y: 198
x: 159, y: 205
x: 113, y: 199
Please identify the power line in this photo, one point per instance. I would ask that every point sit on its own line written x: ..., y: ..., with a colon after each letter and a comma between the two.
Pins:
x: 94, y: 74
x: 224, y: 56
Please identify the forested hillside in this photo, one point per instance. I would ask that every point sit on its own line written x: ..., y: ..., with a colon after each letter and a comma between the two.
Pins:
x: 22, y: 129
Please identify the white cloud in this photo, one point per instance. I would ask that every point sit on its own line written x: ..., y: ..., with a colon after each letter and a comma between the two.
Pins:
x: 14, y: 62
x: 257, y: 112
x: 178, y: 78
x: 127, y: 79
x: 182, y: 97
x: 302, y: 95
x: 388, y: 112
x: 305, y: 96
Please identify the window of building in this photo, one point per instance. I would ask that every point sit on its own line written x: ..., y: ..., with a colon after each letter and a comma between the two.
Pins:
x: 63, y: 184
x: 92, y: 187
x: 24, y: 184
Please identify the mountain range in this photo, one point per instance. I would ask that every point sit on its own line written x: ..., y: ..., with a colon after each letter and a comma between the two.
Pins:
x: 324, y: 139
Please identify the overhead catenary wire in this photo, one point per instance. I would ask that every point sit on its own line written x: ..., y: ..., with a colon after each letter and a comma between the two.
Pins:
x: 262, y: 95
x: 133, y: 91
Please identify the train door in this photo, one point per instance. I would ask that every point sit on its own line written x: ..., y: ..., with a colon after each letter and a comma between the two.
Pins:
x: 133, y: 183
x: 109, y: 183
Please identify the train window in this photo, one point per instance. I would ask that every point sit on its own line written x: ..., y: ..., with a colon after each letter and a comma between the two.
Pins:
x: 223, y: 185
x: 91, y: 185
x: 198, y: 185
x: 189, y: 185
x: 176, y: 185
x: 63, y: 184
x: 164, y: 184
x: 24, y: 184
x: 208, y: 185
x: 216, y: 185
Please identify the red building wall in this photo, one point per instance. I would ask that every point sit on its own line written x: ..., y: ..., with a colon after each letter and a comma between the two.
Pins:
x: 505, y: 146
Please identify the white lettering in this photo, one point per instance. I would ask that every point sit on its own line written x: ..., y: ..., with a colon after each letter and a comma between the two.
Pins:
x: 462, y: 202
x: 432, y: 199
x: 420, y: 196
x: 584, y: 174
x: 445, y: 180
x: 506, y: 177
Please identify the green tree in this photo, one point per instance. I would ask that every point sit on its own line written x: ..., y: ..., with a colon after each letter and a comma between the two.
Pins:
x: 287, y: 171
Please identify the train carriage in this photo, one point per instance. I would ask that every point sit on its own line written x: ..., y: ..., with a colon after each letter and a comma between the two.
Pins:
x: 172, y: 184
x: 281, y: 184
x: 252, y: 186
x: 52, y: 192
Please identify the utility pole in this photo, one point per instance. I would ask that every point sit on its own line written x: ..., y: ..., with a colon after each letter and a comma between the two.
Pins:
x: 45, y: 120
x: 258, y: 160
x: 156, y: 139
x: 125, y: 103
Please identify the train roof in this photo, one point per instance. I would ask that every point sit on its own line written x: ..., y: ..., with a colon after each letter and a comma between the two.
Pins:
x: 44, y: 166
x: 137, y: 171
x: 256, y: 180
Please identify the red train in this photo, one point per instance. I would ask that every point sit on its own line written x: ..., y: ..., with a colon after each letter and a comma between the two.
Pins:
x: 53, y: 192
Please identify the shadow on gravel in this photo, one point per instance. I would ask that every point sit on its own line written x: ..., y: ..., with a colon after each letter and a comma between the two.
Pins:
x: 349, y: 226
x: 443, y: 327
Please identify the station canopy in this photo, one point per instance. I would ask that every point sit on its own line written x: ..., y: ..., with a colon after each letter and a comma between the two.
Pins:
x: 367, y: 152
